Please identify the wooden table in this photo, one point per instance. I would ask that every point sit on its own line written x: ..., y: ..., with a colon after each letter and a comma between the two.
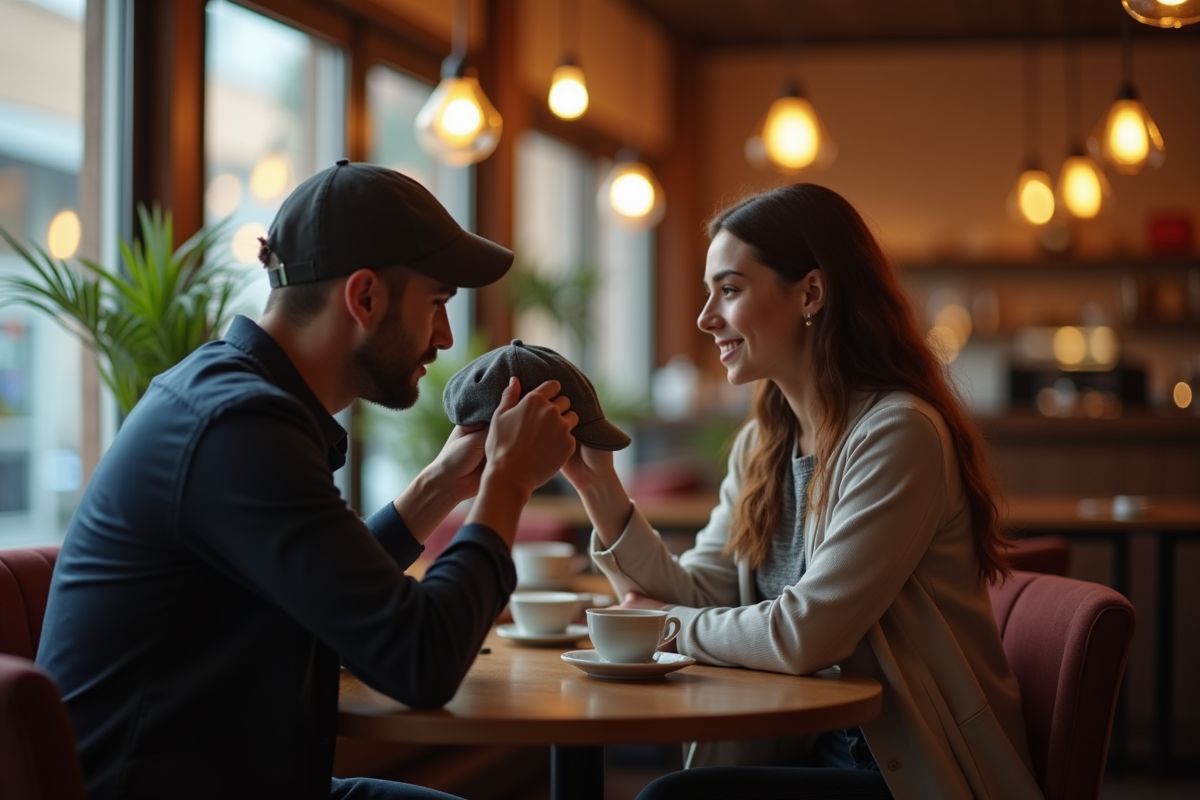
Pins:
x: 529, y: 696
x: 1169, y: 520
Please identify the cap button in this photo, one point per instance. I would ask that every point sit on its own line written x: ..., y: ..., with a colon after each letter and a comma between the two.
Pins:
x: 343, y: 162
x: 517, y: 343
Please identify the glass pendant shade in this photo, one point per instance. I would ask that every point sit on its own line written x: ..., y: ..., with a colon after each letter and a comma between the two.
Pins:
x: 632, y: 195
x: 568, y: 91
x: 1032, y: 199
x: 790, y: 137
x: 1082, y: 187
x: 458, y: 125
x: 1164, y: 13
x: 1127, y: 138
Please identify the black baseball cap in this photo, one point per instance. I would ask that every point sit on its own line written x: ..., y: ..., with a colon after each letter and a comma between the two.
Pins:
x: 473, y: 393
x: 363, y: 216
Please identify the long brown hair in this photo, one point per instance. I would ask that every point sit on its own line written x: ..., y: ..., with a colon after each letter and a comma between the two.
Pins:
x: 865, y: 338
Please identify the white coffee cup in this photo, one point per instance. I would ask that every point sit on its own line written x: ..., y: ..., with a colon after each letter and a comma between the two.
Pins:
x: 630, y: 635
x: 543, y: 613
x: 543, y: 562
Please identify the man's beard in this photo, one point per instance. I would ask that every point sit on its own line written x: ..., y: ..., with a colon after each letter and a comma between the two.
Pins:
x: 385, y: 367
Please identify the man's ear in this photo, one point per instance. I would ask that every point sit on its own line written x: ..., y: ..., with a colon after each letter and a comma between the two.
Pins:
x: 364, y: 296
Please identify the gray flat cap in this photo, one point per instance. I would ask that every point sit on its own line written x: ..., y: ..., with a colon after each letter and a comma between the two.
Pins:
x: 473, y: 393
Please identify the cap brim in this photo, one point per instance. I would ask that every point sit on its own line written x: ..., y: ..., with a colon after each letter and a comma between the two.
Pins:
x: 601, y: 435
x: 468, y: 262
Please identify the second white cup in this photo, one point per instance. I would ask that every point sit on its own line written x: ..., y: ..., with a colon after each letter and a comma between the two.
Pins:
x: 630, y: 635
x: 543, y: 613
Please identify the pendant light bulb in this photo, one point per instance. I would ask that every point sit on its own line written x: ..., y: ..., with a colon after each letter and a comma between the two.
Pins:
x: 632, y: 195
x: 1164, y: 13
x: 568, y: 91
x: 1082, y: 187
x: 458, y: 125
x: 1127, y: 138
x: 790, y: 137
x: 1032, y: 199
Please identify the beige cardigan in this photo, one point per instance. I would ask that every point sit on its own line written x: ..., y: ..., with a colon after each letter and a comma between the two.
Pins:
x: 891, y: 591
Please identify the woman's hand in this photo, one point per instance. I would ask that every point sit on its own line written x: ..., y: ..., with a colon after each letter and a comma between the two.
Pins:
x: 635, y: 600
x: 608, y: 506
x: 589, y: 468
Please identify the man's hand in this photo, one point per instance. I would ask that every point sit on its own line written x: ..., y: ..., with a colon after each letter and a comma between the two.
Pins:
x: 528, y: 441
x: 530, y: 438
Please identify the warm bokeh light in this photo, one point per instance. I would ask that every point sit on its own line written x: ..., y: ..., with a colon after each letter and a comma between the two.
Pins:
x: 1082, y: 187
x: 791, y: 134
x: 1164, y: 13
x: 245, y: 243
x: 632, y: 195
x: 1033, y: 198
x: 1070, y: 346
x: 458, y: 124
x: 1102, y: 346
x: 568, y: 92
x: 461, y: 118
x: 1182, y: 394
x: 957, y: 320
x: 1127, y: 138
x: 223, y: 195
x: 64, y: 233
x: 270, y: 177
x: 943, y: 341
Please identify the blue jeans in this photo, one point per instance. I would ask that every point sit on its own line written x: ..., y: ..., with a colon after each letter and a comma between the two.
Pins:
x: 375, y: 789
x: 840, y: 767
x: 768, y: 783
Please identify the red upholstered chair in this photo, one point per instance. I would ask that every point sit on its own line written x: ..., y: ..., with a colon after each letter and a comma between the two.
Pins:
x: 1067, y: 642
x: 24, y: 586
x: 1048, y: 554
x: 38, y: 759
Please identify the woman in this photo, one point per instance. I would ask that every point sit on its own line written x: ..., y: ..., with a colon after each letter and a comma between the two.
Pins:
x: 857, y: 525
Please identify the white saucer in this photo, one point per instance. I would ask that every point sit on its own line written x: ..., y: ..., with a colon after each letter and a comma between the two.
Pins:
x: 590, y: 662
x: 572, y: 634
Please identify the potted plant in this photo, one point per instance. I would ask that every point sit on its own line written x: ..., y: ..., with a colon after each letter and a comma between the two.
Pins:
x: 142, y: 319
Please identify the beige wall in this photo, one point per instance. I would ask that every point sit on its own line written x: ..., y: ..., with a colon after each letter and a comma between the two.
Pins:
x: 930, y: 138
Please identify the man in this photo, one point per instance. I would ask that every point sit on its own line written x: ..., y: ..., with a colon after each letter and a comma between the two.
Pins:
x: 212, y: 575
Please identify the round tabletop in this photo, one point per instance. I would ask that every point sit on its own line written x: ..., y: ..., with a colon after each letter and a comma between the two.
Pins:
x: 524, y: 695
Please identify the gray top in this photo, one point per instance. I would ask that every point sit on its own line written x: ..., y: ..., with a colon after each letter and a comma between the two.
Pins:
x: 784, y: 563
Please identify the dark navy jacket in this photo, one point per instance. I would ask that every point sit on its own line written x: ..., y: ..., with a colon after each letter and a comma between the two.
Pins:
x: 212, y: 576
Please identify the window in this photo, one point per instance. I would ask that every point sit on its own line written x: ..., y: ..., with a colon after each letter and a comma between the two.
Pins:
x: 560, y: 237
x: 41, y: 154
x: 275, y: 115
x: 396, y: 445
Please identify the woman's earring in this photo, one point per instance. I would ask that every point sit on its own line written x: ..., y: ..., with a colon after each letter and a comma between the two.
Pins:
x: 808, y: 320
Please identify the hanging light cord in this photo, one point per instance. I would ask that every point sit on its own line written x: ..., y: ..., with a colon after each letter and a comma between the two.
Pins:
x: 791, y: 47
x: 1033, y: 99
x: 1126, y: 52
x: 1074, y: 104
x: 458, y: 47
x: 570, y: 28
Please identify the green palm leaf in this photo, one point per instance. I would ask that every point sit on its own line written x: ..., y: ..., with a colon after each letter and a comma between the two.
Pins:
x: 139, y: 321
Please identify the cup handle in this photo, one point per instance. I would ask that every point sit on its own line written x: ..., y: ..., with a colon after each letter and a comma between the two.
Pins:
x: 673, y: 627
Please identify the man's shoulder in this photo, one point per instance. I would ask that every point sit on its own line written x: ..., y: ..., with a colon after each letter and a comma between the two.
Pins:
x: 218, y: 376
